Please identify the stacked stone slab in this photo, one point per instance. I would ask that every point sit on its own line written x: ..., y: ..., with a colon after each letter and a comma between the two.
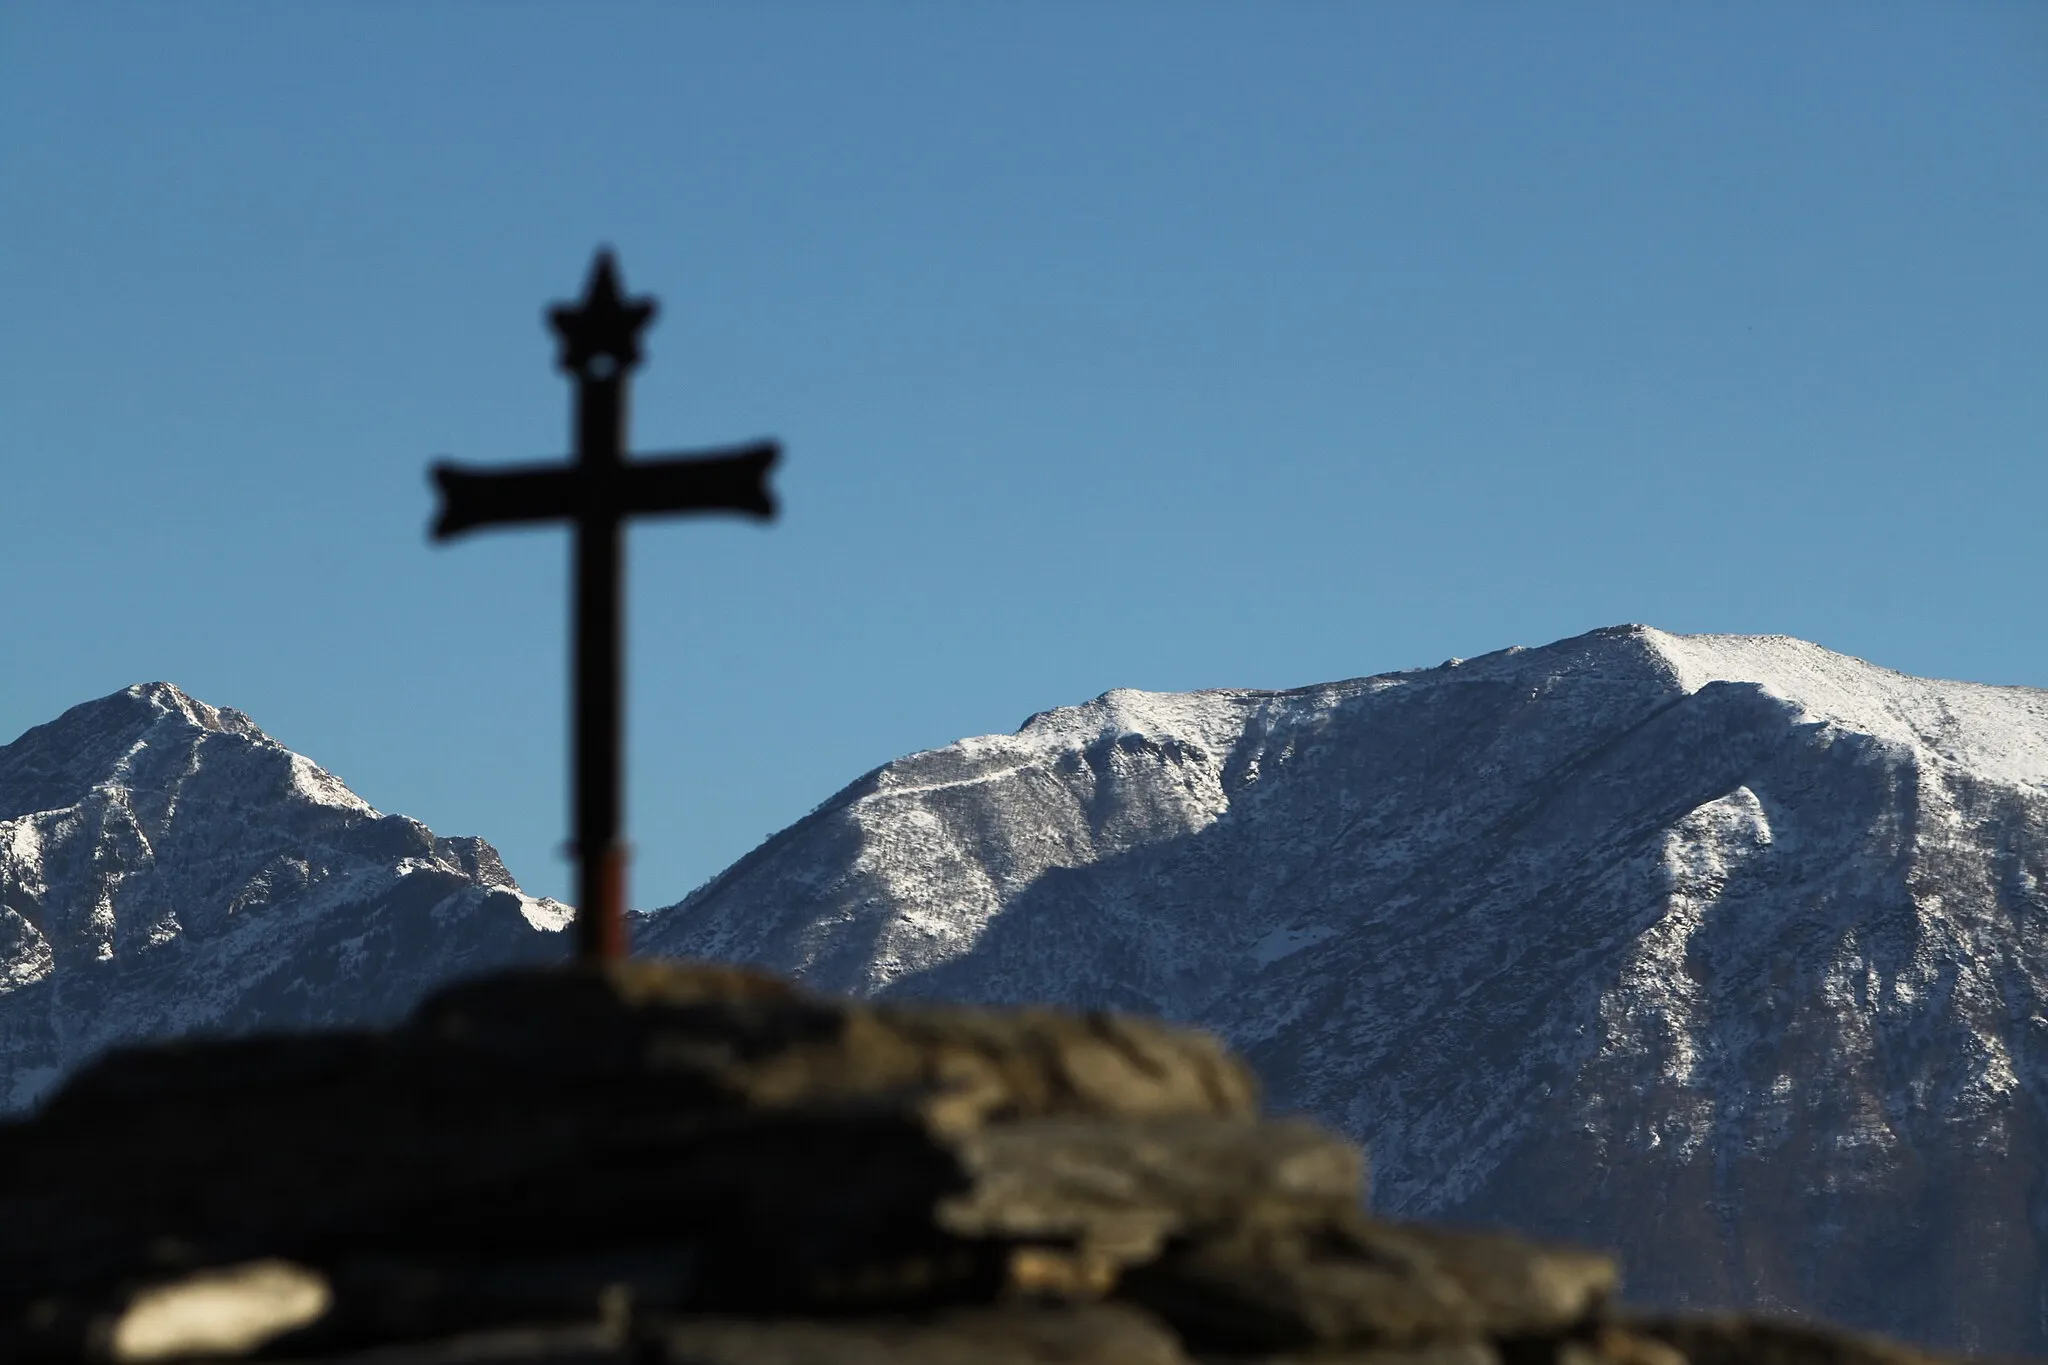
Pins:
x: 682, y: 1164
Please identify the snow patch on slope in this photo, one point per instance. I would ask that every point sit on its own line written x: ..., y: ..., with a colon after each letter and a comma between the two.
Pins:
x: 323, y: 788
x: 1999, y: 733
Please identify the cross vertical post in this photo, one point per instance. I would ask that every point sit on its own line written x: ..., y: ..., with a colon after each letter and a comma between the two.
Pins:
x: 600, y: 348
x: 598, y: 694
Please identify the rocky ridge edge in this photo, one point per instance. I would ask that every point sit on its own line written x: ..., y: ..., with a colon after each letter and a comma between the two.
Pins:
x: 689, y: 1164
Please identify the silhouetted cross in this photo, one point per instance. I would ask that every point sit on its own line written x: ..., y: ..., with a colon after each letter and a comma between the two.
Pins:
x: 600, y: 346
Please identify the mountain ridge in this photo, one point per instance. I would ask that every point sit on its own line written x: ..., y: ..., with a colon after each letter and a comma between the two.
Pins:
x: 1727, y: 952
x: 1629, y: 939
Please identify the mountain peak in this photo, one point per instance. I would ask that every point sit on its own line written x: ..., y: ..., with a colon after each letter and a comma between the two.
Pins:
x: 113, y: 740
x: 168, y: 699
x: 166, y: 867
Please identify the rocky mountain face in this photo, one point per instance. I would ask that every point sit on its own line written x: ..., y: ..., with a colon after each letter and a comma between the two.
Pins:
x: 167, y: 868
x: 1726, y: 953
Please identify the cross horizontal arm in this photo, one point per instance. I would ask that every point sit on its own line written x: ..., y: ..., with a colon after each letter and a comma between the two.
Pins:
x: 471, y: 498
x: 734, y: 480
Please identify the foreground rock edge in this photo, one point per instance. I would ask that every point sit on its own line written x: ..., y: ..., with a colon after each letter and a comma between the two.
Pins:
x: 667, y: 1161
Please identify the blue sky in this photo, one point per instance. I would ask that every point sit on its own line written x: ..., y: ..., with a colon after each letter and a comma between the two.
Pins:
x: 1149, y: 345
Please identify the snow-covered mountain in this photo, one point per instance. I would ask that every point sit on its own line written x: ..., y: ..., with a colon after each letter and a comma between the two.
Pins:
x: 166, y: 867
x: 1726, y: 952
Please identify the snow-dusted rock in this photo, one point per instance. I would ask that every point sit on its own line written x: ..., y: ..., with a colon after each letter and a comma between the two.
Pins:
x: 167, y: 868
x: 1727, y: 953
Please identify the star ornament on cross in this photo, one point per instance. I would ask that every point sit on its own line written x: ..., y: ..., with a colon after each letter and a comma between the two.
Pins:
x: 601, y: 335
x: 595, y: 493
